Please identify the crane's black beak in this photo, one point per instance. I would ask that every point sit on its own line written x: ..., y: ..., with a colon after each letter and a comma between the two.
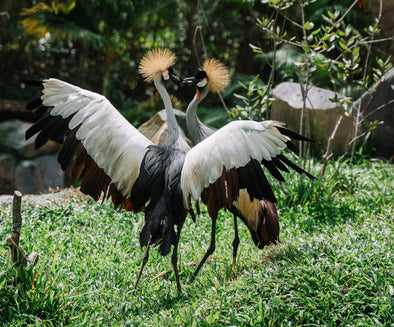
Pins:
x: 172, y: 75
x: 175, y: 77
x: 190, y: 80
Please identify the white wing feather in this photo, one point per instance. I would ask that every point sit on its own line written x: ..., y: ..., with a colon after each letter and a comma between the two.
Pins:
x: 113, y: 143
x: 232, y: 146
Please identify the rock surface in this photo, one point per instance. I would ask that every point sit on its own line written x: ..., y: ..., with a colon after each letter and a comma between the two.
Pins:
x: 386, y: 22
x: 155, y: 128
x: 22, y: 167
x: 379, y: 105
x: 38, y: 175
x: 322, y: 116
x: 12, y: 140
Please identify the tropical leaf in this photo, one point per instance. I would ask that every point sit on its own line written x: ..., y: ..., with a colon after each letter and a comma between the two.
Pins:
x: 60, y: 21
x: 288, y: 56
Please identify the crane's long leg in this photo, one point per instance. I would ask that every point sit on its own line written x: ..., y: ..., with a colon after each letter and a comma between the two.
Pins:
x: 144, y: 261
x: 235, y: 242
x: 174, y: 258
x: 210, y: 250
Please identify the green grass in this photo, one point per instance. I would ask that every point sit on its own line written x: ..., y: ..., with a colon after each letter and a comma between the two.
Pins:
x: 334, y: 265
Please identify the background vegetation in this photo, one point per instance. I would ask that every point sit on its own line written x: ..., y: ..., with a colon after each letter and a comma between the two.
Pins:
x: 98, y: 44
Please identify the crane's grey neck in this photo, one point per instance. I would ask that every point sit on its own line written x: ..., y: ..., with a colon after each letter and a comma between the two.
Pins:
x: 173, y: 130
x: 194, y: 125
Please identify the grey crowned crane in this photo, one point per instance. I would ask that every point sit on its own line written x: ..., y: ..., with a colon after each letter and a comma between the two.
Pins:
x: 258, y: 214
x: 261, y: 216
x: 114, y: 158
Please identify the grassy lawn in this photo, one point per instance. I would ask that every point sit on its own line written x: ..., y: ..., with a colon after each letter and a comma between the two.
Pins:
x: 334, y: 265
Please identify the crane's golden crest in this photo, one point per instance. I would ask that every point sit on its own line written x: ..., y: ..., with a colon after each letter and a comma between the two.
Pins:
x: 218, y: 76
x: 155, y: 62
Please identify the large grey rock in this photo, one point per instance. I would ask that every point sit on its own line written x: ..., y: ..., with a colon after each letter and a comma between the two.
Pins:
x: 386, y: 22
x: 12, y: 140
x: 155, y: 128
x: 30, y: 176
x: 7, y: 173
x: 24, y: 168
x: 38, y: 175
x: 379, y: 105
x: 322, y: 116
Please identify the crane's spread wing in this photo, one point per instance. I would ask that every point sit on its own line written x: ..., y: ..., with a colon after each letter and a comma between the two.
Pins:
x: 94, y: 135
x: 229, y: 160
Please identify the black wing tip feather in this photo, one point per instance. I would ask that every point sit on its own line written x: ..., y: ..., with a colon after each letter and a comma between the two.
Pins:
x: 293, y: 134
x: 35, y: 104
x: 292, y: 165
x: 32, y: 82
x: 291, y: 147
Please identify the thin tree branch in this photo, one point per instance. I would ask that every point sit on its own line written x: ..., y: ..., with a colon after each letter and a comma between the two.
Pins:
x: 357, y: 111
x: 328, y: 154
x: 198, y: 29
x: 377, y: 109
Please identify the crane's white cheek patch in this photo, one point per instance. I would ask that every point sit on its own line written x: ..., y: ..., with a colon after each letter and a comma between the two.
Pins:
x: 202, y: 83
x: 166, y: 75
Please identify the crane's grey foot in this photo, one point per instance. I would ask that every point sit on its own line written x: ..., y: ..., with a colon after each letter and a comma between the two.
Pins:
x: 144, y: 261
x: 210, y: 250
x: 235, y: 246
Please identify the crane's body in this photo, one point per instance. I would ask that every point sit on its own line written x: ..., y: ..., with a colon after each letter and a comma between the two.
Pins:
x: 260, y: 216
x: 117, y: 160
x: 159, y: 181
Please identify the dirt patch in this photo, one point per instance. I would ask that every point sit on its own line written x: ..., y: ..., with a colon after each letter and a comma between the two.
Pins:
x: 56, y: 196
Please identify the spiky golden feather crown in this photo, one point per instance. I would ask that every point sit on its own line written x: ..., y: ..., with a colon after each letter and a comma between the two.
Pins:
x: 218, y: 76
x: 155, y: 62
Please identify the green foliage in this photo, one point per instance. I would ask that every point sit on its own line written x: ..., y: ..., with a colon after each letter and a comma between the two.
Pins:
x: 334, y: 264
x: 38, y: 294
x: 330, y: 51
x: 108, y: 26
x: 253, y: 103
x: 58, y: 20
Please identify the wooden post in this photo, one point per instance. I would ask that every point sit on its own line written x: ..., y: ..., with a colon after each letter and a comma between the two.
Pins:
x: 18, y: 255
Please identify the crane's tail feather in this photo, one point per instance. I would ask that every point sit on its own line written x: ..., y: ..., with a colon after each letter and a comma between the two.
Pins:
x: 270, y: 224
x: 267, y: 232
x: 159, y: 228
x: 261, y: 220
